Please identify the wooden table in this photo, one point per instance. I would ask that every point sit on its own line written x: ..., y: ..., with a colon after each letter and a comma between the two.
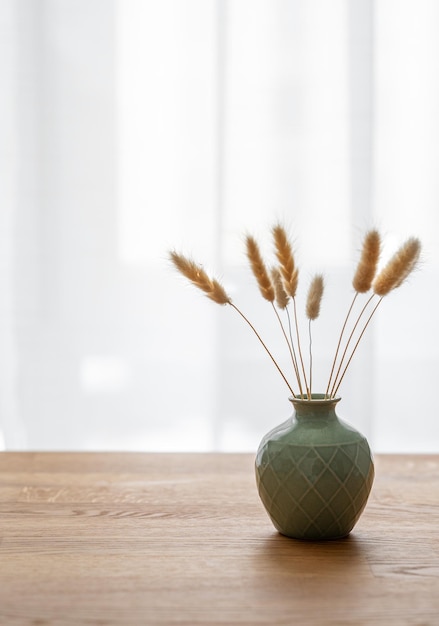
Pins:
x: 124, y: 538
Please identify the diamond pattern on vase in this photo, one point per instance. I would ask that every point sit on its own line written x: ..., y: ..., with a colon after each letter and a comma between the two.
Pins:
x: 316, y: 491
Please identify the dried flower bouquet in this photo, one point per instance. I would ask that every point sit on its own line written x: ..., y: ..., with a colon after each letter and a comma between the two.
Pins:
x: 279, y: 286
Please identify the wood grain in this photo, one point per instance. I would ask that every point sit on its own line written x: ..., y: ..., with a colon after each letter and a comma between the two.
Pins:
x: 127, y: 538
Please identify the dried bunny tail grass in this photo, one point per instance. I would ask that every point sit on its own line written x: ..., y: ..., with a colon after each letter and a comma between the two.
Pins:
x: 284, y: 254
x: 259, y: 270
x: 412, y: 263
x: 368, y: 263
x: 398, y: 268
x: 282, y: 297
x: 314, y: 298
x: 196, y: 274
x: 218, y: 293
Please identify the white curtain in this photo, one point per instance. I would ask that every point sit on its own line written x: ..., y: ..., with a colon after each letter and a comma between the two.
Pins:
x: 130, y: 127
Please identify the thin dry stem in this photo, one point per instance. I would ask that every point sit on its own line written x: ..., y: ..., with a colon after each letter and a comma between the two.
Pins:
x: 259, y: 270
x: 339, y: 342
x: 300, y: 350
x: 315, y: 294
x: 398, y: 268
x: 296, y: 367
x: 282, y: 300
x: 264, y: 345
x: 334, y: 392
x: 290, y: 346
x: 343, y: 356
x: 214, y: 290
x: 196, y: 274
x: 284, y: 254
x: 367, y: 266
x: 310, y: 356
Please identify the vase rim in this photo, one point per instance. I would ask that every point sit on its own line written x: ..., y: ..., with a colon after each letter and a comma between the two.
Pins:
x: 316, y: 398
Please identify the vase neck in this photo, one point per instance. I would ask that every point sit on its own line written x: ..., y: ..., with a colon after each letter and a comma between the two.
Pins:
x: 319, y: 407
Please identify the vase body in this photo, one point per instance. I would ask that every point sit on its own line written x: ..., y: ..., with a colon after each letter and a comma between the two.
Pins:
x: 314, y: 472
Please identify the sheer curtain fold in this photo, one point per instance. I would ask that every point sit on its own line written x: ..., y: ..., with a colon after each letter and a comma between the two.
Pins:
x: 132, y: 127
x: 10, y: 425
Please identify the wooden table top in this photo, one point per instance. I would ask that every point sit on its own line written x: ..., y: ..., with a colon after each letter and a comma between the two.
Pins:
x: 128, y: 538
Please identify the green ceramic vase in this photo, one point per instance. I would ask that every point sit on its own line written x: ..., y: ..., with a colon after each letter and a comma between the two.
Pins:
x: 314, y: 472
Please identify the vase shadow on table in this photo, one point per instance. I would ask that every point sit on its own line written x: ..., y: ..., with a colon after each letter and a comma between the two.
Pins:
x: 310, y: 582
x: 340, y: 557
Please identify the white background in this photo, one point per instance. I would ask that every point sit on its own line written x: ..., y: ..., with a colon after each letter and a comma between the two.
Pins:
x: 130, y: 127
